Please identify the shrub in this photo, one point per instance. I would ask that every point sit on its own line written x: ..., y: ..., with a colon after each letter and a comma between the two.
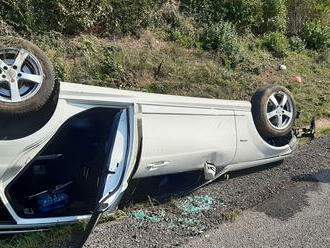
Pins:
x: 324, y: 56
x: 111, y: 67
x: 166, y: 14
x: 176, y: 26
x: 276, y: 43
x: 316, y: 35
x: 185, y: 35
x: 6, y: 29
x: 127, y: 16
x: 243, y: 13
x: 204, y: 11
x: 20, y: 14
x: 222, y: 38
x: 259, y: 15
x: 296, y: 44
x: 74, y: 16
x: 274, y: 16
x: 70, y: 16
x: 302, y: 11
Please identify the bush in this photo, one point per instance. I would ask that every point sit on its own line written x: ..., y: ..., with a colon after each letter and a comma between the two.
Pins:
x: 127, y: 16
x: 6, y: 30
x: 324, y: 56
x: 185, y: 35
x: 69, y: 16
x: 316, y: 35
x: 177, y: 27
x: 165, y: 15
x: 221, y: 38
x: 204, y: 11
x: 302, y: 11
x: 274, y: 16
x: 276, y: 43
x: 19, y: 14
x: 260, y: 16
x: 243, y: 13
x: 296, y: 44
x: 74, y: 16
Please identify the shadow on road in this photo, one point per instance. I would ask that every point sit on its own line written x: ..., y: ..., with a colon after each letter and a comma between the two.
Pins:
x: 164, y: 188
x: 322, y: 176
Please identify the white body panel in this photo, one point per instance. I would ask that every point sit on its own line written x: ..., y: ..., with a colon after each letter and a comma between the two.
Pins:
x: 177, y: 139
x: 250, y: 146
x: 179, y: 134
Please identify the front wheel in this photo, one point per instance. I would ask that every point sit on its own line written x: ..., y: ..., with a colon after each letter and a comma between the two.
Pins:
x: 273, y: 111
x: 26, y: 77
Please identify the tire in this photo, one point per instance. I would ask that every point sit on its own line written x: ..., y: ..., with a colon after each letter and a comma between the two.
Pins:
x: 34, y: 75
x: 273, y: 110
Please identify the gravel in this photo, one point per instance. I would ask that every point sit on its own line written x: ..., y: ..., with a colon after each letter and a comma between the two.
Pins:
x: 244, y: 190
x: 272, y: 224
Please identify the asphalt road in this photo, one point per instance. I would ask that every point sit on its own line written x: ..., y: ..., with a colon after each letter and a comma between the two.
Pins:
x: 297, y: 217
x: 284, y: 205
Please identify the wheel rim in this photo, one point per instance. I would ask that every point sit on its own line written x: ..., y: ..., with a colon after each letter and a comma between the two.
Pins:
x: 21, y: 75
x: 279, y: 110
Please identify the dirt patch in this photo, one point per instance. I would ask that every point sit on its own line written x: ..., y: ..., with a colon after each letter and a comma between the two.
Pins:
x: 269, y: 77
x: 323, y: 122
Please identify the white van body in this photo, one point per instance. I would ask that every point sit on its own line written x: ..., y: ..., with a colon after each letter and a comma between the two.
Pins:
x: 164, y: 134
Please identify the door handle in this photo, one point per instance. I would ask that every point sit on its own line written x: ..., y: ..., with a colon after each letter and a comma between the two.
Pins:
x: 157, y: 165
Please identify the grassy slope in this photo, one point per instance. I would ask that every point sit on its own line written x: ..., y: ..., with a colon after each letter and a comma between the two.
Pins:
x: 132, y: 63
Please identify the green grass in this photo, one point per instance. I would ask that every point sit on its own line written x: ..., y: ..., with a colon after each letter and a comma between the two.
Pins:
x: 55, y: 235
x: 151, y: 64
x: 116, y: 215
x: 324, y: 131
x: 322, y: 128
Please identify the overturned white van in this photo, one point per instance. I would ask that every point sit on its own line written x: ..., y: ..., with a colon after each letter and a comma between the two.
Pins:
x: 69, y: 150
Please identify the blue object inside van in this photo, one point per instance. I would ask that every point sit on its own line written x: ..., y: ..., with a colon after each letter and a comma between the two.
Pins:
x: 50, y: 202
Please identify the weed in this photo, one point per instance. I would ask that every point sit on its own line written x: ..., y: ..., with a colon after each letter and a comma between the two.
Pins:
x: 230, y: 215
x: 113, y: 216
x: 276, y: 43
x: 323, y: 131
x: 324, y: 56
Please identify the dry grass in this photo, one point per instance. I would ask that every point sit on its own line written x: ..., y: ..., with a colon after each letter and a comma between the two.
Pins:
x: 151, y: 64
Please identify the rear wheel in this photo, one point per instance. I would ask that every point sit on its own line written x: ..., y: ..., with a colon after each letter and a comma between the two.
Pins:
x: 273, y: 110
x: 26, y: 77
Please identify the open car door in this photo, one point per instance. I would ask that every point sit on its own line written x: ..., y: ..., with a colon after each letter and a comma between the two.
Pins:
x: 118, y: 168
